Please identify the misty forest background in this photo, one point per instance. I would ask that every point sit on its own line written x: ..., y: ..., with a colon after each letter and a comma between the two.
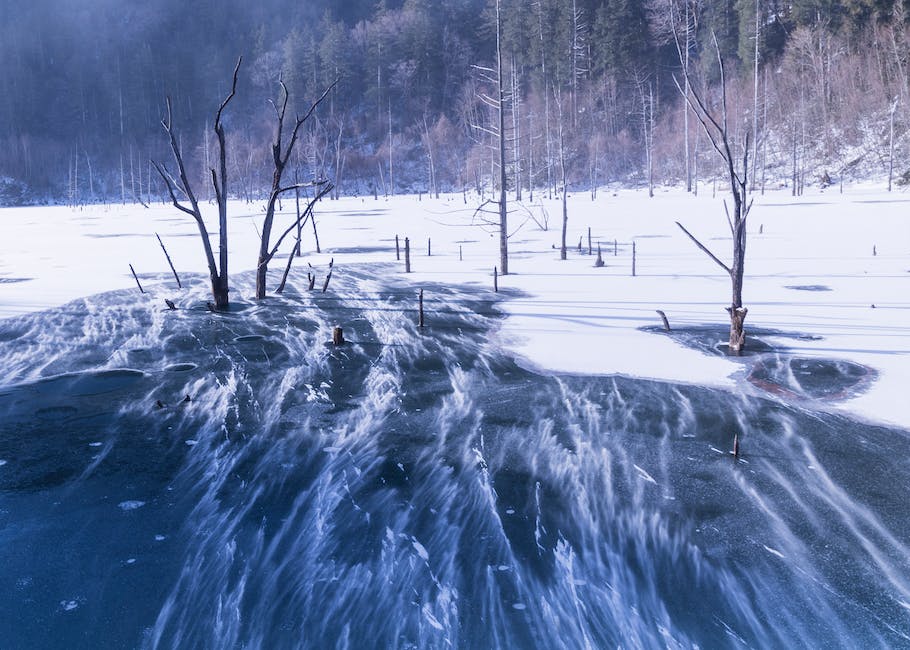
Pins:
x: 590, y: 84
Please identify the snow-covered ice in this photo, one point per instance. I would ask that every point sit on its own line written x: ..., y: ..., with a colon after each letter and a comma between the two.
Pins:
x: 835, y: 267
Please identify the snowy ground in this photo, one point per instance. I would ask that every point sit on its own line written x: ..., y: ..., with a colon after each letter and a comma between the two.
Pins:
x: 833, y: 266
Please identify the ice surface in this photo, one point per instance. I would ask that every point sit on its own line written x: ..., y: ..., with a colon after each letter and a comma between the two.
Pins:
x: 291, y: 515
x: 563, y: 316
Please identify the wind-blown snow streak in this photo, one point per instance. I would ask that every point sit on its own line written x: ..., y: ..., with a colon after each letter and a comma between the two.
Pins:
x: 417, y: 489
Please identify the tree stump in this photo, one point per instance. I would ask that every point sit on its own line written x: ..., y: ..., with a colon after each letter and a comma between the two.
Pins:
x: 337, y: 336
x: 737, y: 333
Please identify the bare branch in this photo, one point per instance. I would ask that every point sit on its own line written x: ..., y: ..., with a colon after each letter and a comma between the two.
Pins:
x: 325, y: 188
x: 171, y: 184
x: 301, y: 120
x: 300, y: 186
x: 705, y: 249
x: 701, y: 113
x: 729, y: 220
x: 484, y: 129
x: 226, y: 99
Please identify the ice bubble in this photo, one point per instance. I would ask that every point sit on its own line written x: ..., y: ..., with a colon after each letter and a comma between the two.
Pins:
x: 130, y: 505
x: 191, y: 443
x: 69, y: 605
x: 160, y: 538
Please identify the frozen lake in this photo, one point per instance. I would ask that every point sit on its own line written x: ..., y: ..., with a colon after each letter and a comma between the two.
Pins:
x: 535, y: 468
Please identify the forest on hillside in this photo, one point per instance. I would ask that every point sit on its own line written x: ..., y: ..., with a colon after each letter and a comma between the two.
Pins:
x: 819, y: 86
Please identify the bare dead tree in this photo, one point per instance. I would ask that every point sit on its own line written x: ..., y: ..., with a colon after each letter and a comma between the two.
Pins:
x: 281, y: 154
x: 717, y: 128
x: 218, y: 273
x: 503, y: 211
x: 563, y: 169
x: 497, y: 131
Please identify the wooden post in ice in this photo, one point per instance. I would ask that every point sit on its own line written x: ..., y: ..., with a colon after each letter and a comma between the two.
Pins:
x: 663, y: 317
x: 327, y: 278
x: 407, y: 255
x: 397, y: 249
x: 735, y: 446
x: 495, y: 279
x: 170, y: 263
x: 615, y: 248
x: 420, y: 309
x: 599, y: 262
x: 429, y: 249
x: 459, y: 254
x: 337, y: 336
x: 633, y: 259
x: 136, y: 277
x: 590, y: 250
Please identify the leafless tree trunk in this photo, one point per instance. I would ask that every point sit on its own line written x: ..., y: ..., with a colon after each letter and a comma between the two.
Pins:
x: 497, y: 135
x: 218, y: 276
x: 891, y: 143
x: 688, y: 49
x: 391, y: 175
x: 503, y: 207
x: 647, y: 122
x: 339, y: 157
x: 565, y: 176
x: 432, y: 188
x: 516, y: 130
x: 755, y: 91
x: 280, y: 155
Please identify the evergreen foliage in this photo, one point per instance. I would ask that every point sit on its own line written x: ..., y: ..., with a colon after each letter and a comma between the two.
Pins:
x: 83, y: 84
